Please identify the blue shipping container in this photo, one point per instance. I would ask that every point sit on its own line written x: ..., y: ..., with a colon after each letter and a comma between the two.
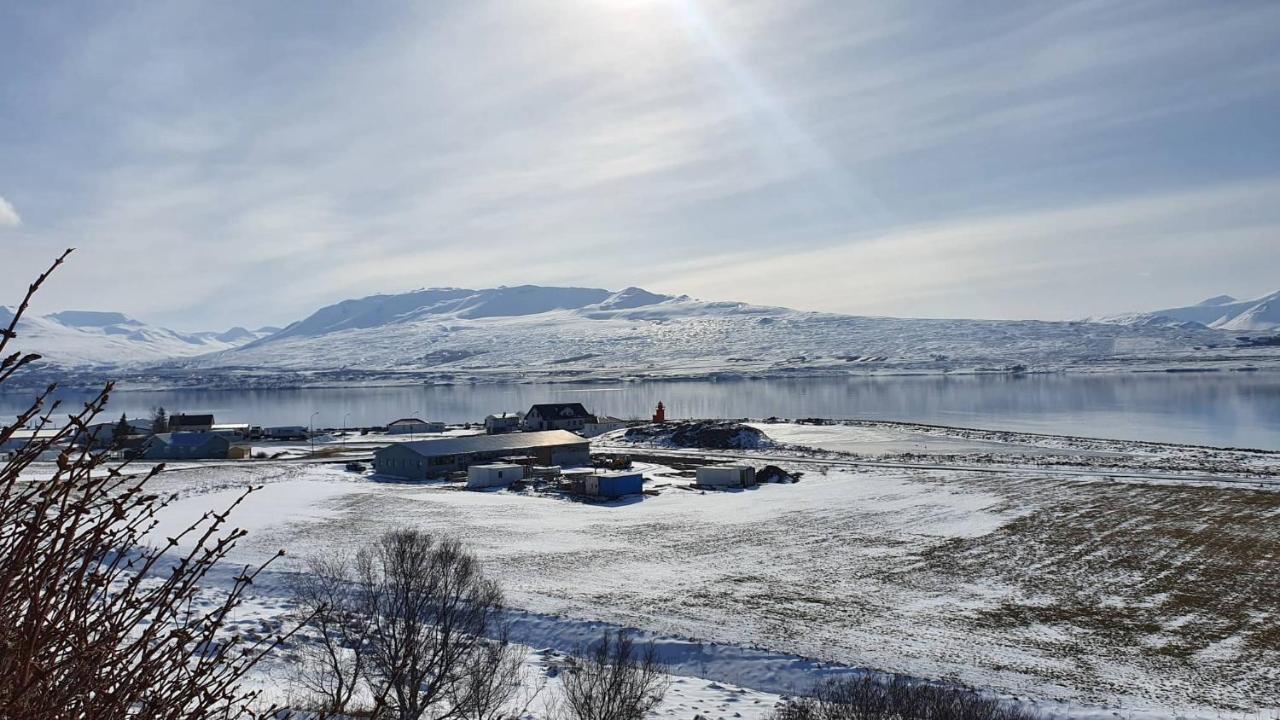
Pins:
x: 612, y: 486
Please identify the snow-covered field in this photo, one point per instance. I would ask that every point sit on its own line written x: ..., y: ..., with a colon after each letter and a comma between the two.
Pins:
x: 1072, y: 590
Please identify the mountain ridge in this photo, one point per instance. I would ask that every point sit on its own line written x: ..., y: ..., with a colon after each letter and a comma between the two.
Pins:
x: 530, y: 331
x: 96, y: 337
x: 1222, y: 312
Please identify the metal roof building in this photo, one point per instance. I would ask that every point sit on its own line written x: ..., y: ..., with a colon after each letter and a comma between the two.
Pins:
x: 187, y: 446
x: 433, y: 458
x: 409, y: 426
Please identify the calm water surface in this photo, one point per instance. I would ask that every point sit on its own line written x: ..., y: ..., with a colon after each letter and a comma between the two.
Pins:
x: 1221, y: 409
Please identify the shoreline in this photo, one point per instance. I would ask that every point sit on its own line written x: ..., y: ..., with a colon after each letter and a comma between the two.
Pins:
x: 131, y: 381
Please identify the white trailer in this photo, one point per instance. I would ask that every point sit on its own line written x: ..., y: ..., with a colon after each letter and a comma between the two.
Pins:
x: 726, y: 475
x: 495, y: 475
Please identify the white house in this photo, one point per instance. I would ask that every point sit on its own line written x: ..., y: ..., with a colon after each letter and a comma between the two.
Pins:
x: 495, y: 475
x: 413, y: 426
x: 726, y: 476
x: 502, y: 423
x: 602, y: 425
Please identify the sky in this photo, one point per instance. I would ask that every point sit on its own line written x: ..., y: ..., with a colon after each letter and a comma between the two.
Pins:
x: 244, y: 163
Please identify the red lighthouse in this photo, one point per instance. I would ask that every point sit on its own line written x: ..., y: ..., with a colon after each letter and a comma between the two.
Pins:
x: 660, y: 415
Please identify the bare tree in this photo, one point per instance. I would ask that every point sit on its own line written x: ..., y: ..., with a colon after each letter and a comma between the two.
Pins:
x: 613, y: 680
x: 867, y: 697
x: 431, y: 610
x: 94, y: 621
x: 336, y: 633
x: 495, y: 684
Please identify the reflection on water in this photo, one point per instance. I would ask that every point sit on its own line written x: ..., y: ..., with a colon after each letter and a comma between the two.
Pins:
x: 1223, y: 409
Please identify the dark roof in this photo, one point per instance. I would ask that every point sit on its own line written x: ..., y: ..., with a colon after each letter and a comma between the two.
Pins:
x: 407, y: 420
x: 190, y: 419
x: 492, y: 443
x: 561, y: 410
x: 133, y: 424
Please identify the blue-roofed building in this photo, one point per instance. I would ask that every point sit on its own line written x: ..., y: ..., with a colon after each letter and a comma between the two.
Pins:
x: 187, y: 446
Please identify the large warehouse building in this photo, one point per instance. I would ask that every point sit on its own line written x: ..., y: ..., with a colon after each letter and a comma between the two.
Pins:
x: 435, y: 458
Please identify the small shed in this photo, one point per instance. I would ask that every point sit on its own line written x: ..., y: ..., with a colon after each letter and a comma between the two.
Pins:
x: 726, y: 475
x: 613, y: 485
x: 495, y: 475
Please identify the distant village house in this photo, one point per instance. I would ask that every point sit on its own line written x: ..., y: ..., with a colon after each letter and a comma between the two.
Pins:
x: 557, y: 416
x: 603, y: 425
x: 502, y: 423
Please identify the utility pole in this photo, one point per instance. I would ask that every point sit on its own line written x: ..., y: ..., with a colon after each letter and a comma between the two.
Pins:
x: 313, y: 431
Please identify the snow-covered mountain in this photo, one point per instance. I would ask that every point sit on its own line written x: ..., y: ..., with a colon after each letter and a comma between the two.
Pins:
x: 557, y: 333
x: 93, y: 338
x: 545, y: 333
x: 1221, y: 313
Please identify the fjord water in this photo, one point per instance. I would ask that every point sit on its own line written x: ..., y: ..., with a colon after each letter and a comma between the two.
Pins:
x: 1219, y: 409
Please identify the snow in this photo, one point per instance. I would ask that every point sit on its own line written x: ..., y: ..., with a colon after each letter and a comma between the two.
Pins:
x: 569, y: 333
x: 89, y: 337
x: 1222, y: 313
x: 532, y: 334
x: 1004, y: 581
x: 1263, y: 316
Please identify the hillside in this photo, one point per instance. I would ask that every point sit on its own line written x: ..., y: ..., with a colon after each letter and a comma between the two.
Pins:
x: 76, y: 338
x: 540, y: 333
x: 1222, y: 312
x: 531, y: 333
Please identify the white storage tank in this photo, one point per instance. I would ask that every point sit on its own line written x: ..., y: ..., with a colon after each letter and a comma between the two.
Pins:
x: 726, y: 475
x: 496, y: 475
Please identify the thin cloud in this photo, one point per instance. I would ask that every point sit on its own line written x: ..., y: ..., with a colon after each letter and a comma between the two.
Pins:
x: 1057, y: 264
x: 8, y: 214
x: 257, y: 165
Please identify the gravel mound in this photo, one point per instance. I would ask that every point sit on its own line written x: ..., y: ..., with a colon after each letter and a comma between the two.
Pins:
x: 704, y: 435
